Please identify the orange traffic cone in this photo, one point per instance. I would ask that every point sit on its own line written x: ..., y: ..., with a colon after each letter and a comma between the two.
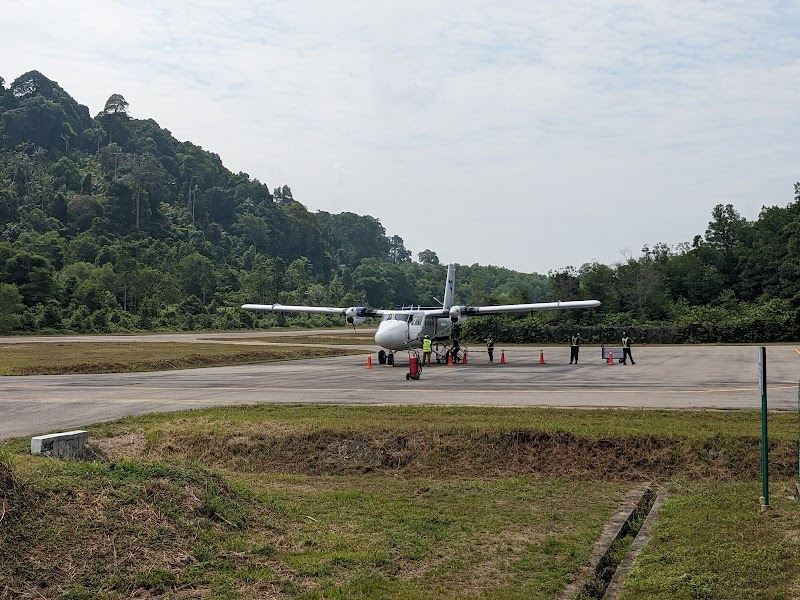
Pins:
x: 449, y: 360
x: 465, y: 361
x: 369, y: 361
x: 503, y: 357
x: 611, y: 358
x: 541, y: 357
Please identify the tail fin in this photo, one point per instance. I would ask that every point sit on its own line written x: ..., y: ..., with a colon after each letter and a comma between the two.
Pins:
x: 449, y: 287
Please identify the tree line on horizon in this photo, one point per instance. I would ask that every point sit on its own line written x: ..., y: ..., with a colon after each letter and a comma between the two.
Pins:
x: 110, y: 224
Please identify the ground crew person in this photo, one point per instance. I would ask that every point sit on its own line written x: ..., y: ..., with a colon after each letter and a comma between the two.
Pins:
x: 626, y: 349
x: 426, y: 349
x: 490, y: 348
x: 574, y: 348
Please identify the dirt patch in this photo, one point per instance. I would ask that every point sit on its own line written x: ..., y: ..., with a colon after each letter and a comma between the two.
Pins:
x: 120, y: 446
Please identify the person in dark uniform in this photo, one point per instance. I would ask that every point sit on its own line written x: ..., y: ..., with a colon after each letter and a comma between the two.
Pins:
x: 455, y: 351
x: 626, y: 349
x: 574, y: 348
x: 490, y: 348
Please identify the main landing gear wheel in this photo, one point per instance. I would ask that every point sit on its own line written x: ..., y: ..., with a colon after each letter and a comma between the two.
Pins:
x: 382, y: 357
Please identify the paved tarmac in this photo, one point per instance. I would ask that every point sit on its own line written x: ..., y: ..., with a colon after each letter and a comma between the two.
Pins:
x: 676, y: 377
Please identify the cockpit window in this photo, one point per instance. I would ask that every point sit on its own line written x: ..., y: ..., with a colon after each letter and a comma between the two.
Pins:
x: 397, y: 317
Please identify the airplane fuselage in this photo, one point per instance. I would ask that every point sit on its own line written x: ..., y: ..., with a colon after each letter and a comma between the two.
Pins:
x: 404, y: 330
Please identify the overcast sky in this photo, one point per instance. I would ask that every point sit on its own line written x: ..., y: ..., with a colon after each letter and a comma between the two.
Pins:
x: 527, y: 134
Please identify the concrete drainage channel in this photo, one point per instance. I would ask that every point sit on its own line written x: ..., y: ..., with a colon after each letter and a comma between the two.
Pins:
x: 617, y: 548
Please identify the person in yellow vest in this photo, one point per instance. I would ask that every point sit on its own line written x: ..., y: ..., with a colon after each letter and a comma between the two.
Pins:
x: 626, y: 349
x: 574, y: 348
x: 426, y: 350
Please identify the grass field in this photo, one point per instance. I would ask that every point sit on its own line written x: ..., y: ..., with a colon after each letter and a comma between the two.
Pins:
x: 336, y: 338
x: 712, y: 542
x: 57, y: 358
x: 399, y: 502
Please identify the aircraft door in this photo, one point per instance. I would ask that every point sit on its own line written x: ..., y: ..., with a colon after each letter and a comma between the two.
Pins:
x: 443, y: 327
x: 429, y: 328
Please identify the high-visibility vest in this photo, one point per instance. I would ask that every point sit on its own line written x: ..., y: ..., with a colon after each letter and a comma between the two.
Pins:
x: 626, y: 342
x: 575, y: 339
x: 426, y: 345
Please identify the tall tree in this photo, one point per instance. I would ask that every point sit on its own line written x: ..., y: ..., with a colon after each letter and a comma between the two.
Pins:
x: 428, y: 257
x: 564, y: 285
x: 397, y: 251
x: 114, y: 115
x: 723, y: 234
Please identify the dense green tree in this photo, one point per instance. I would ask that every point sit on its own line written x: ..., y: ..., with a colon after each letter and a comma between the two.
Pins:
x: 564, y: 285
x: 301, y: 234
x: 599, y: 282
x: 66, y: 175
x: 32, y: 274
x: 428, y: 257
x: 769, y: 253
x: 375, y: 279
x: 643, y: 292
x: 146, y: 177
x: 11, y: 307
x: 694, y: 274
x: 397, y: 251
x: 121, y: 205
x: 353, y: 237
x: 38, y: 111
x: 283, y: 194
x: 254, y: 231
x: 198, y: 276
x: 263, y: 282
x: 82, y: 210
x: 724, y: 233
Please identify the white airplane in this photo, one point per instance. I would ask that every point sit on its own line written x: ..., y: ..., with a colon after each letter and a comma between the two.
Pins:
x: 403, y: 328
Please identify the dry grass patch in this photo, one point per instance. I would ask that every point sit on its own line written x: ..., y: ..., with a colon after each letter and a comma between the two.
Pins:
x: 87, y: 357
x: 277, y: 447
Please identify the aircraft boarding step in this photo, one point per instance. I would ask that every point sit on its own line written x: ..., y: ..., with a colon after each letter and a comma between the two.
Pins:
x: 616, y: 352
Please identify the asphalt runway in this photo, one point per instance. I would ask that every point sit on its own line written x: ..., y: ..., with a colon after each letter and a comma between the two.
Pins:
x: 675, y: 377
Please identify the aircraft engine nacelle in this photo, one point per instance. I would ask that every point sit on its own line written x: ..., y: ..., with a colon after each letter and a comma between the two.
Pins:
x: 356, y: 315
x: 455, y: 315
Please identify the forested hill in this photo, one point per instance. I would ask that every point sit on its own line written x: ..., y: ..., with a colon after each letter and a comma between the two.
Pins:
x: 109, y: 223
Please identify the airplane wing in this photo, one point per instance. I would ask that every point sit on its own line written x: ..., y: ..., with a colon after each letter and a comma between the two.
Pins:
x: 323, y: 310
x: 353, y: 314
x: 515, y: 308
x: 458, y: 313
